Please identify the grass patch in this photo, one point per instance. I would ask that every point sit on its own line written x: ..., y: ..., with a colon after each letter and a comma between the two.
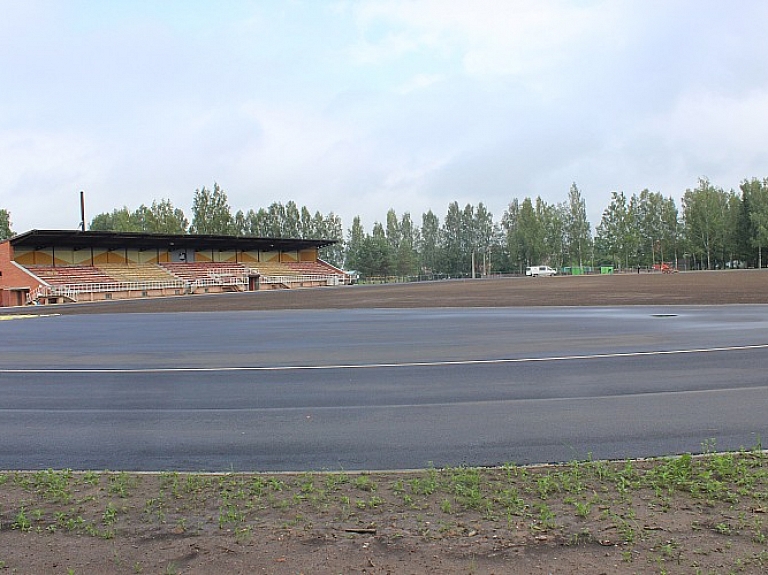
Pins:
x: 722, y: 498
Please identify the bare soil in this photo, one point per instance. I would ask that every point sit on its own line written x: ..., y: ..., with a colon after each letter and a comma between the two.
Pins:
x: 691, y: 288
x: 679, y: 515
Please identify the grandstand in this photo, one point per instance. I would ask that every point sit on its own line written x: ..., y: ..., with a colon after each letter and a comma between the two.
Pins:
x: 57, y: 266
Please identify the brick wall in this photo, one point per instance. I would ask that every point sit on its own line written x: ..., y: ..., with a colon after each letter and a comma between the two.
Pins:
x: 12, y: 277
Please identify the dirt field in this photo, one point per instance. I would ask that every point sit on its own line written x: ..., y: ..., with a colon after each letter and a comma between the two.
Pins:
x: 681, y: 515
x: 719, y: 287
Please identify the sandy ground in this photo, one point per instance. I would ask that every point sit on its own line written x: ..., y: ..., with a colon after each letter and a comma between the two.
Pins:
x: 684, y: 515
x: 715, y: 287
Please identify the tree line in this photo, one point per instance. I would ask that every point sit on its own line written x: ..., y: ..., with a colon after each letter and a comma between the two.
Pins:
x: 212, y: 215
x: 711, y: 228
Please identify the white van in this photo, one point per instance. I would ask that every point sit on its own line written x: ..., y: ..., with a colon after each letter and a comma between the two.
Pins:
x: 535, y: 271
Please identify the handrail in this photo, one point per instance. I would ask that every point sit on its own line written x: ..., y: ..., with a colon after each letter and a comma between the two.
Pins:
x: 239, y: 279
x: 286, y: 279
x: 97, y: 287
x: 214, y: 281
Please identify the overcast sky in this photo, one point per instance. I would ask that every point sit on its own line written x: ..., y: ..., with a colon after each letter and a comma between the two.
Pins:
x: 359, y: 107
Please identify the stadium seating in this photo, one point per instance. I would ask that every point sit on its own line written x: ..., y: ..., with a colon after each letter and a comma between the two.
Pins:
x: 136, y: 272
x: 70, y: 275
x: 193, y: 271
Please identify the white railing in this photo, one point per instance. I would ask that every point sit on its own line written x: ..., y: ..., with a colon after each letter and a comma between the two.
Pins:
x: 218, y: 281
x: 71, y: 290
x: 237, y: 277
x: 37, y: 293
x: 121, y: 286
x: 287, y: 280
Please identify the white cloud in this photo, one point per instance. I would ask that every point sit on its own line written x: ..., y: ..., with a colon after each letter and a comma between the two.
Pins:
x: 419, y: 82
x: 358, y: 107
x: 494, y: 37
x: 41, y: 175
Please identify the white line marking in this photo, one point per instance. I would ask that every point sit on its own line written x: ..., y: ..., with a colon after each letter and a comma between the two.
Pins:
x: 27, y: 316
x: 385, y: 365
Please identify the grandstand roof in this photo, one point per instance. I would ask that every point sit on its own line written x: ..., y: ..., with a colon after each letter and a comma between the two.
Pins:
x: 39, y: 239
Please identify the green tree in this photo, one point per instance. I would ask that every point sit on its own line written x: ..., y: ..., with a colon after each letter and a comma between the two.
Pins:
x: 708, y: 223
x: 617, y: 232
x: 485, y: 237
x: 755, y: 200
x: 392, y: 231
x: 576, y: 226
x: 211, y: 213
x: 454, y: 242
x: 513, y: 249
x: 160, y: 218
x: 670, y: 231
x: 429, y: 243
x: 330, y: 228
x: 5, y: 224
x: 406, y: 257
x: 275, y: 220
x: 310, y: 227
x: 647, y: 211
x: 729, y: 243
x: 291, y: 223
x: 531, y: 232
x: 163, y: 218
x: 239, y: 224
x: 256, y: 224
x: 120, y: 220
x: 554, y: 218
x: 354, y: 247
x: 375, y: 255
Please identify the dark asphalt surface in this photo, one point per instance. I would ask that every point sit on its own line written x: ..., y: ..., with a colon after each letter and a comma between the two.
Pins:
x: 378, y: 389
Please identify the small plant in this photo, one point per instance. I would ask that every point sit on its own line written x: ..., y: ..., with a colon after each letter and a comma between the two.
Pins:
x: 425, y: 485
x: 626, y: 531
x: 243, y: 534
x: 91, y: 478
x: 546, y: 519
x: 364, y: 483
x: 723, y: 529
x: 52, y: 485
x: 334, y: 480
x: 121, y: 483
x: 21, y: 521
x: 109, y: 516
x: 308, y: 484
x: 583, y: 508
x: 545, y: 485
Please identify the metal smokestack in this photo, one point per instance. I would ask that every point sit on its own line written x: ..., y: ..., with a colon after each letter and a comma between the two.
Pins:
x: 82, y: 210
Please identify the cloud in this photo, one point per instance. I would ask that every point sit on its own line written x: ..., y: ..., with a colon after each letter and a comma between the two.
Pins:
x: 46, y: 171
x: 358, y: 107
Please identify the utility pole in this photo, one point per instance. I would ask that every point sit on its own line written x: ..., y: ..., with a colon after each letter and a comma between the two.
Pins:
x: 82, y: 210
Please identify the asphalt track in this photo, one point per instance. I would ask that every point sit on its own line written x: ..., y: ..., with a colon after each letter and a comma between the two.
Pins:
x: 379, y: 388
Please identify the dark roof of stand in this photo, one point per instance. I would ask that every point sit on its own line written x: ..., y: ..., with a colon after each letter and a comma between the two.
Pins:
x: 77, y: 239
